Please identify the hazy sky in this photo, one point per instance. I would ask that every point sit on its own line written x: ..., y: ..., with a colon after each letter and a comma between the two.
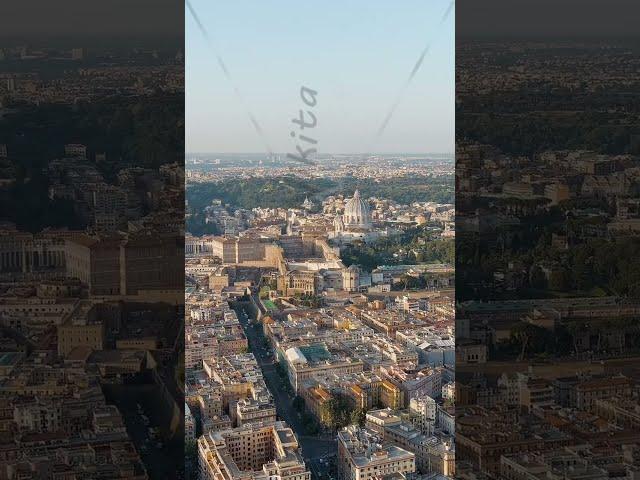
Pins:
x: 548, y: 18
x: 356, y: 54
x: 105, y: 18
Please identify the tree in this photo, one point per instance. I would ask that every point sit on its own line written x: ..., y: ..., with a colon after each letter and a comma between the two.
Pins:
x: 358, y: 416
x: 298, y: 403
x: 336, y: 412
x: 537, y: 278
x: 558, y: 280
x: 531, y: 336
x: 309, y: 424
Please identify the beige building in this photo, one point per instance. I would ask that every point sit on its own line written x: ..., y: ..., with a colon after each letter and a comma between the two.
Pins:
x: 210, y: 404
x: 219, y: 279
x: 315, y: 398
x: 224, y: 248
x: 26, y: 252
x: 471, y: 353
x: 243, y: 392
x: 150, y: 262
x: 81, y: 328
x: 126, y: 266
x: 589, y: 391
x: 189, y: 424
x: 535, y: 392
x: 378, y: 420
x: 621, y: 411
x: 251, y: 452
x: 302, y: 365
x: 250, y: 410
x: 248, y: 251
x: 361, y: 456
x: 433, y: 454
x: 95, y: 262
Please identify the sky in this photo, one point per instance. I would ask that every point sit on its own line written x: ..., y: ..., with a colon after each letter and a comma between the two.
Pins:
x: 91, y: 18
x: 548, y: 18
x: 356, y: 54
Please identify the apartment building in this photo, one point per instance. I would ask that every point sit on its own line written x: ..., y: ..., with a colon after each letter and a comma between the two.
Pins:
x: 362, y: 456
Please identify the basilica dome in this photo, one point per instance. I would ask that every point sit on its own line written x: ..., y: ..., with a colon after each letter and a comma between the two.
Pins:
x: 356, y: 213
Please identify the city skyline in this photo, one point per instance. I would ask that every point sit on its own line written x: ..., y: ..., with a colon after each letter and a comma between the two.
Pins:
x: 278, y: 337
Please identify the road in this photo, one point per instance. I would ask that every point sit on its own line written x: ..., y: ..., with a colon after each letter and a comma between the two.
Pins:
x: 316, y: 449
x: 139, y: 408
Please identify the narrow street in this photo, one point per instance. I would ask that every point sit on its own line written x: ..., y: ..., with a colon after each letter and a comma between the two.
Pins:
x: 316, y: 449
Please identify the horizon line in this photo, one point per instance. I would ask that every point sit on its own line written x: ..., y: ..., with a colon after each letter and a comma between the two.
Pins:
x: 321, y: 154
